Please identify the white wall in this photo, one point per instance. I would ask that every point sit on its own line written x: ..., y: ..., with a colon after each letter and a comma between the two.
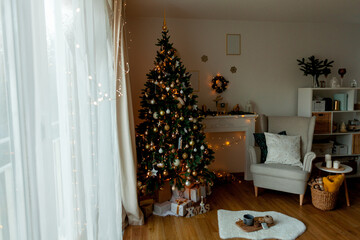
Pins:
x: 267, y: 74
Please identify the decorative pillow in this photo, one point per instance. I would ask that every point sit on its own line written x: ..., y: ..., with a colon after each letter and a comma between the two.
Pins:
x: 283, y: 149
x: 261, y: 142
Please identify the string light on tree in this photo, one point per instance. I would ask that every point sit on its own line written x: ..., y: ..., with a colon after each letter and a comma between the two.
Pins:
x: 170, y: 139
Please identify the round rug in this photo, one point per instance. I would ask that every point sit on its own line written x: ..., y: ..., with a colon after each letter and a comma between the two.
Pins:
x: 285, y: 227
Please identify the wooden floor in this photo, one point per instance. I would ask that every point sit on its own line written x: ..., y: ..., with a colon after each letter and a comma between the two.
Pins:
x: 341, y: 223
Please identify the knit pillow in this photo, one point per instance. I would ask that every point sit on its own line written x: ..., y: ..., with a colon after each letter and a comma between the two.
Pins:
x: 283, y: 149
x: 261, y: 142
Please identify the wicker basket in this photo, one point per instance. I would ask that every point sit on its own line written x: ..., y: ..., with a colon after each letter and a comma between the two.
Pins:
x: 323, y: 200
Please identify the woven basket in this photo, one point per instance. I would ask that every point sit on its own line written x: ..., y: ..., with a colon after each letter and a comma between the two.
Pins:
x: 323, y: 200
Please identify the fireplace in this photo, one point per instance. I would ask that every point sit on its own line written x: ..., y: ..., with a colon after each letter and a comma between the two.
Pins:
x: 233, y: 134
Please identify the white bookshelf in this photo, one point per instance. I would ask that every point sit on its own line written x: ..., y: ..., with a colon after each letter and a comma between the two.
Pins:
x: 305, y: 109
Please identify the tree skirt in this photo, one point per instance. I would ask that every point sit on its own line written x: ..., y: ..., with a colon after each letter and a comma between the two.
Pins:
x: 285, y: 227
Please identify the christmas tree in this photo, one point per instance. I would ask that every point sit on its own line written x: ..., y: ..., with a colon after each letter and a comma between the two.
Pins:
x: 170, y: 140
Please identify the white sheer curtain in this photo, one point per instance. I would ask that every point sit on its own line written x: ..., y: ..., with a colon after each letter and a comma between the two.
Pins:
x: 59, y: 156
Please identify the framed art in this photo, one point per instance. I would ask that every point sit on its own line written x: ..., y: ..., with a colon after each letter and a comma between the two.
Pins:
x: 195, y: 80
x: 233, y: 44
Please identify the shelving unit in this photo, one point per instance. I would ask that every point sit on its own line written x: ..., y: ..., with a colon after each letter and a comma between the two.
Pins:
x: 326, y: 120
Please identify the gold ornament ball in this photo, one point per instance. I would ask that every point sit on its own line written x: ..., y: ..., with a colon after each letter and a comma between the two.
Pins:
x: 163, y: 97
x: 167, y: 127
x: 162, y: 113
x: 189, y: 107
x: 176, y: 115
x: 146, y: 132
x: 181, y: 118
x: 172, y: 85
x: 149, y: 173
x: 186, y: 166
x: 195, y: 127
x: 165, y: 173
x: 194, y: 173
x: 188, y: 170
x: 185, y: 155
x: 155, y: 129
x: 173, y: 150
x: 147, y: 146
x: 191, y: 143
x: 179, y: 105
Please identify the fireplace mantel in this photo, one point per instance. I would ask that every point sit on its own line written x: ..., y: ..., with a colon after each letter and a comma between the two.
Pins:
x: 235, y: 123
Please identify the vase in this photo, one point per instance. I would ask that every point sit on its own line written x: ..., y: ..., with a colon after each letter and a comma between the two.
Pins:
x: 315, y: 82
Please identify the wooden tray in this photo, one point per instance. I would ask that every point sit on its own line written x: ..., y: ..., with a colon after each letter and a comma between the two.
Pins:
x: 247, y: 228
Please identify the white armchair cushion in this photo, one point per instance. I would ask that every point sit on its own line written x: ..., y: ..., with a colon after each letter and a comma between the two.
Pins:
x: 283, y: 149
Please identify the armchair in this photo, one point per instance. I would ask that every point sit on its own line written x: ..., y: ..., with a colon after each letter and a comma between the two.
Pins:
x: 278, y: 176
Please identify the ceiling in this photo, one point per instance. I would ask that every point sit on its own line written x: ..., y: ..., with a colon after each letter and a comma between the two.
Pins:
x: 326, y: 11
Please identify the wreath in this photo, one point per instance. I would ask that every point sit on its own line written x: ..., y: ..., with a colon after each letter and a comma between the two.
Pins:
x: 219, y: 83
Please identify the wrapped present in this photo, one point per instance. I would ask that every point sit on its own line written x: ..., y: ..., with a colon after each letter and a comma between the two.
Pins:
x: 179, y: 206
x: 147, y: 210
x: 161, y: 208
x: 178, y: 193
x: 195, y: 192
x: 163, y: 194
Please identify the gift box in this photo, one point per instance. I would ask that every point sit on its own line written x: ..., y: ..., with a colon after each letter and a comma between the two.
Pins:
x: 147, y: 207
x: 164, y: 194
x: 195, y: 192
x: 178, y: 193
x: 179, y: 206
x: 161, y: 208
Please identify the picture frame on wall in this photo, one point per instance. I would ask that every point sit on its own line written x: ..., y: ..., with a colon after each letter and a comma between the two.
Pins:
x: 233, y: 44
x: 195, y: 80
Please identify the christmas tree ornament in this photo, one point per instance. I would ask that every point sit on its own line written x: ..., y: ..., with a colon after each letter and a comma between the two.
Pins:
x: 186, y: 166
x: 139, y: 184
x: 202, y: 147
x: 181, y: 118
x: 149, y: 173
x: 191, y: 156
x: 195, y: 127
x: 146, y: 132
x: 191, y: 142
x: 156, y: 115
x: 161, y: 132
x: 152, y: 101
x: 147, y: 146
x: 176, y: 162
x: 189, y: 107
x: 194, y: 173
x: 167, y: 89
x: 181, y: 91
x: 161, y: 150
x: 165, y: 172
x: 187, y: 183
x: 176, y: 115
x: 173, y: 150
x: 160, y: 165
x: 188, y: 170
x: 172, y: 85
x: 156, y: 82
x: 155, y: 129
x: 189, y: 178
x: 195, y: 150
x: 163, y: 97
x: 173, y: 187
x: 162, y: 113
x: 187, y: 146
x: 167, y: 111
x: 167, y: 127
x: 179, y: 105
x: 169, y: 52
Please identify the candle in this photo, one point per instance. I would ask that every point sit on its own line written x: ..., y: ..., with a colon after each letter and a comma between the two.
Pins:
x: 327, y: 157
x: 328, y: 164
x: 336, y: 164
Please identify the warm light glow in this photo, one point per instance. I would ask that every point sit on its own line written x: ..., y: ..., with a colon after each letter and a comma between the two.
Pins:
x: 227, y: 143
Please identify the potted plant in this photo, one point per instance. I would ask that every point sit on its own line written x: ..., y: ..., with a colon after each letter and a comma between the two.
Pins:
x: 315, y: 67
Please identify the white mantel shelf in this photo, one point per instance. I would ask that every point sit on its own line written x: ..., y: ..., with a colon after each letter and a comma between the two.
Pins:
x: 235, y: 123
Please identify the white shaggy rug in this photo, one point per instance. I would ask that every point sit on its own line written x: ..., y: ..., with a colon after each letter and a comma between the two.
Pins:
x: 285, y: 227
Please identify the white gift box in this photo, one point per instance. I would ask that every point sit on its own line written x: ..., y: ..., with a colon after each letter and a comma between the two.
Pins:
x: 178, y: 193
x: 179, y: 206
x: 194, y: 193
x: 161, y: 208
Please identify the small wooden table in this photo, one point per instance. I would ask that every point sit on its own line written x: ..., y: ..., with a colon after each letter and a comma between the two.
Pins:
x: 347, y: 169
